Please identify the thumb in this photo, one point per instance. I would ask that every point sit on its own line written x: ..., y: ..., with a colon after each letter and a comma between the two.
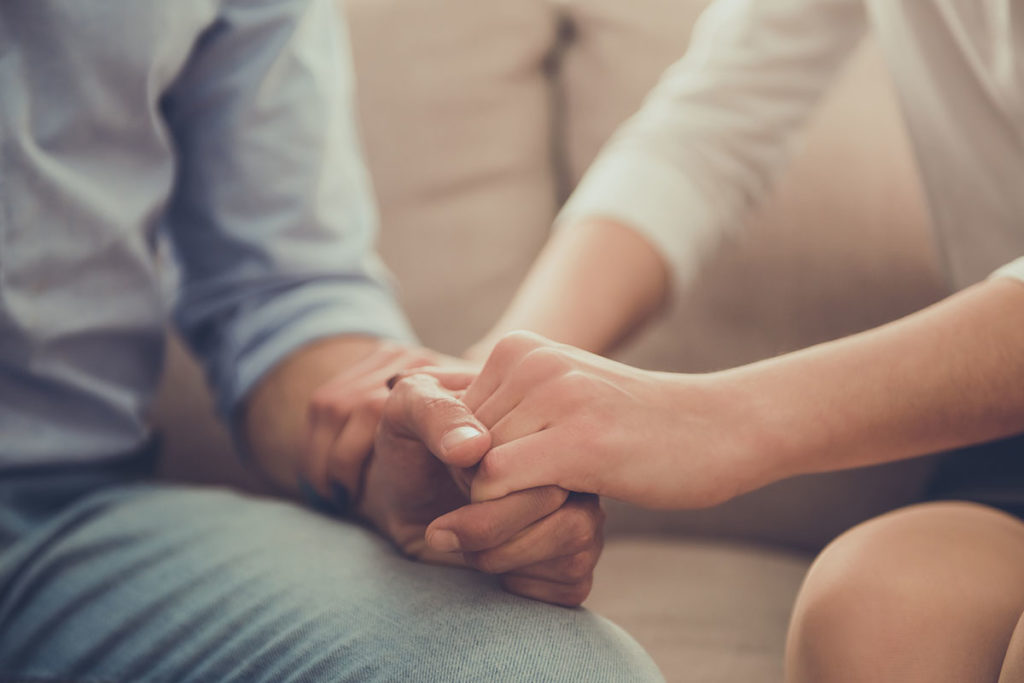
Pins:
x: 420, y: 408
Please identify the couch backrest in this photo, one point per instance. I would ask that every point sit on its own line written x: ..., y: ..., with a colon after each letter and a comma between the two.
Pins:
x: 479, y: 115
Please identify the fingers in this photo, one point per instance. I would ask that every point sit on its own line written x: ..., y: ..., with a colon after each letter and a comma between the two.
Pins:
x: 451, y: 378
x: 490, y: 524
x: 345, y: 390
x: 419, y: 407
x: 543, y: 550
x: 570, y: 570
x: 567, y: 595
x: 334, y: 404
x: 322, y: 434
x: 529, y: 417
x: 528, y: 462
x: 551, y: 559
x: 506, y: 355
x: 404, y: 488
x: 354, y: 444
x: 564, y: 580
x: 533, y: 371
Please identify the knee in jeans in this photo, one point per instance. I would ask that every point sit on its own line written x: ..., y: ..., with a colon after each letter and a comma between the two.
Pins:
x: 543, y: 642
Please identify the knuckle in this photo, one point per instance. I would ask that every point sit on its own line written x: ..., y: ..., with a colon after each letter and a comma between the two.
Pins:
x: 579, y: 566
x: 438, y: 403
x: 418, y: 398
x: 318, y: 399
x: 549, y: 497
x: 334, y: 408
x: 393, y: 410
x: 421, y: 358
x: 412, y: 384
x: 591, y: 504
x: 546, y: 361
x: 322, y: 402
x: 582, y: 530
x: 376, y: 402
x: 575, y: 595
x: 576, y: 385
x: 384, y: 438
x: 480, y: 530
x: 568, y: 388
x: 492, y: 465
x: 516, y: 343
x: 488, y: 563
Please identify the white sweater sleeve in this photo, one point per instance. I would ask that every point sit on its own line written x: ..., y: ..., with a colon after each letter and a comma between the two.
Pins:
x: 712, y: 134
x: 1014, y: 269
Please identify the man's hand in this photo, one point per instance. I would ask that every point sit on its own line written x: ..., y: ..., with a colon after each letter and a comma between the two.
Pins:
x: 343, y: 416
x: 542, y: 541
x: 397, y: 457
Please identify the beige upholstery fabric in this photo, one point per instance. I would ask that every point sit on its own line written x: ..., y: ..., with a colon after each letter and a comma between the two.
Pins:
x: 456, y: 118
x: 707, y: 613
x: 615, y: 53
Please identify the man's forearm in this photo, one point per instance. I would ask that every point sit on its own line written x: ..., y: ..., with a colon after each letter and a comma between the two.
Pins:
x: 945, y: 377
x: 276, y: 416
x: 591, y: 286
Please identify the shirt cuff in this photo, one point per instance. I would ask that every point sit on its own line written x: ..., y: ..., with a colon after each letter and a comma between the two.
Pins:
x: 296, y: 317
x: 1014, y: 269
x: 652, y: 197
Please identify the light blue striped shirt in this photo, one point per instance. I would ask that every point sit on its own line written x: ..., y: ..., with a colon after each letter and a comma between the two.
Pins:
x: 224, y: 125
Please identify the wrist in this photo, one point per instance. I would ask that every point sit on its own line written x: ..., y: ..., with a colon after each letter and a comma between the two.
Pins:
x: 734, y: 422
x: 763, y: 434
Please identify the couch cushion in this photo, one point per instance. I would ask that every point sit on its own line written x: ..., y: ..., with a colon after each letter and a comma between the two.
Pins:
x: 705, y: 612
x: 614, y: 55
x: 455, y: 111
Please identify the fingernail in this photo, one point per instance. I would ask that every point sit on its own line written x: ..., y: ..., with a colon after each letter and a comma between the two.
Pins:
x: 458, y: 436
x: 444, y: 541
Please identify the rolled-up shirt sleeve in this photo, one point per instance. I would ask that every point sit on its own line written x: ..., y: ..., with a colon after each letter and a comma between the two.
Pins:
x: 711, y: 136
x: 1014, y: 269
x: 273, y: 218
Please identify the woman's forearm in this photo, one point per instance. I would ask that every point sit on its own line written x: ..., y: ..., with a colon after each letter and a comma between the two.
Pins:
x: 592, y: 285
x: 945, y: 377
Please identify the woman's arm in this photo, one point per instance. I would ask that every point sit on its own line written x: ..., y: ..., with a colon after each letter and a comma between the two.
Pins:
x: 947, y: 376
x: 702, y: 150
x: 942, y: 378
x: 590, y: 287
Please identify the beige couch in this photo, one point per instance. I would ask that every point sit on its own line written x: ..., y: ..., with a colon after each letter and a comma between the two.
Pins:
x: 478, y: 117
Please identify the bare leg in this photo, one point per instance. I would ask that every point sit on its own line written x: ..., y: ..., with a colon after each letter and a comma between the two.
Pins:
x: 929, y: 593
x: 1013, y: 664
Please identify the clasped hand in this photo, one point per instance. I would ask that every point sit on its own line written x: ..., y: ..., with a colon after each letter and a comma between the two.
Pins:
x: 416, y: 476
x: 557, y: 415
x: 477, y: 469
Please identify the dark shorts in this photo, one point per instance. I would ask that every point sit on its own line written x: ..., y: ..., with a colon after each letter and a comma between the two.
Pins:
x: 991, y: 474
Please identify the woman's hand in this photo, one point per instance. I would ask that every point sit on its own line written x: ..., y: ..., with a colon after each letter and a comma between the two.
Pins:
x: 559, y: 415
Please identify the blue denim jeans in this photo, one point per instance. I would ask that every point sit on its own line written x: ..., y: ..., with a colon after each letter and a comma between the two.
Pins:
x: 108, y: 578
